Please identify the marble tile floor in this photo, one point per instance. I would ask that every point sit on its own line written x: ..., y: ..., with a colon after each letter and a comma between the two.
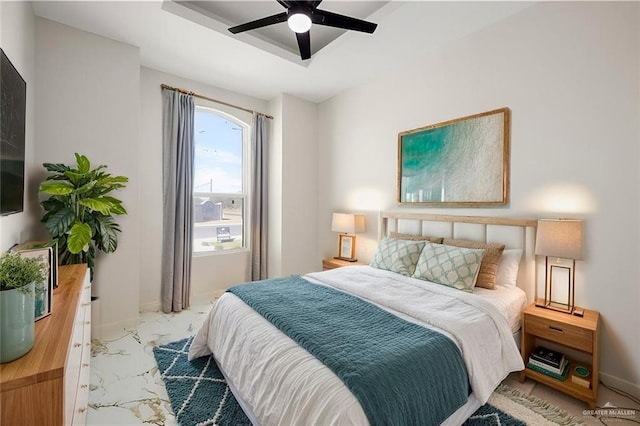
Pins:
x: 126, y: 388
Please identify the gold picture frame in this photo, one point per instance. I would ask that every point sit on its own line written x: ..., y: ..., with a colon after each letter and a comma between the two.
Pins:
x: 457, y: 163
x: 47, y: 251
x: 43, y: 299
x: 347, y: 247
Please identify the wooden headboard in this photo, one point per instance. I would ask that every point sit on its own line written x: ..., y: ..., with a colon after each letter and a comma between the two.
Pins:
x: 512, y: 232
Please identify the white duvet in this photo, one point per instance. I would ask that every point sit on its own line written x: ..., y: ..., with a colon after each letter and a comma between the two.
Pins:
x: 282, y: 384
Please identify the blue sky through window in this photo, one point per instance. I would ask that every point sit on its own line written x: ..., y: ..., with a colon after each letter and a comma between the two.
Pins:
x: 218, y: 153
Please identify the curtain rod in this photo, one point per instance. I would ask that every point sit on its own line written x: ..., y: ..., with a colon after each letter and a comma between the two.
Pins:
x: 188, y: 92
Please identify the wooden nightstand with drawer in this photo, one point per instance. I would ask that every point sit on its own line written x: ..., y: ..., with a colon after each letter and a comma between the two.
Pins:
x: 333, y: 263
x: 568, y: 331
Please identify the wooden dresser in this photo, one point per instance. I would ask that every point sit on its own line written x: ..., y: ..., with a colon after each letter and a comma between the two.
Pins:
x: 50, y: 384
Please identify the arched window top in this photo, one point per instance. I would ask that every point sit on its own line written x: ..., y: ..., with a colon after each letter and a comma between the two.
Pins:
x: 225, y: 115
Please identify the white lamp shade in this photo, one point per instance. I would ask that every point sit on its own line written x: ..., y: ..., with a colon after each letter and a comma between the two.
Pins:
x: 559, y: 238
x: 347, y: 223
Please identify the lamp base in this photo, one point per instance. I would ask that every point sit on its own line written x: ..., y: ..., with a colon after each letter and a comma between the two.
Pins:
x: 555, y: 306
x: 348, y: 259
x: 557, y: 271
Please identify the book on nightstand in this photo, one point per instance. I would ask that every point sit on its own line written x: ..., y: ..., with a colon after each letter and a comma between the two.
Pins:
x: 548, y: 367
x: 562, y: 376
x: 548, y: 357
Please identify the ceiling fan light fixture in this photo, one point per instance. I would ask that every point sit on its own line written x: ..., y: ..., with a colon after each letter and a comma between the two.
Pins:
x: 299, y: 22
x: 300, y: 15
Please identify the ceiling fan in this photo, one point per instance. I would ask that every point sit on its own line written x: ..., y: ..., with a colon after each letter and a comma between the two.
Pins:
x: 300, y: 15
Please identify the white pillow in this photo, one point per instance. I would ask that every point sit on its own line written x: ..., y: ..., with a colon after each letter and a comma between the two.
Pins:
x: 507, y: 274
x: 398, y: 256
x: 452, y: 266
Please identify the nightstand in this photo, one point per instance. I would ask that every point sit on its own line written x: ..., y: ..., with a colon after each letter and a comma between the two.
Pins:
x: 333, y: 263
x: 567, y: 331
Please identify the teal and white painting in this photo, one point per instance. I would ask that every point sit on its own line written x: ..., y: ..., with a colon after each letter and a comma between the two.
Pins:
x: 462, y: 162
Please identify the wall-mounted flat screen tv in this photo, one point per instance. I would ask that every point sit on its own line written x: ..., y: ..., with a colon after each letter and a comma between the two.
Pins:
x: 13, y: 104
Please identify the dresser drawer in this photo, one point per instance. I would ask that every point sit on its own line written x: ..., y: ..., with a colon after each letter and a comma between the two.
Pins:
x: 81, y: 404
x: 567, y: 334
x: 72, y: 366
x: 82, y: 396
x: 77, y: 367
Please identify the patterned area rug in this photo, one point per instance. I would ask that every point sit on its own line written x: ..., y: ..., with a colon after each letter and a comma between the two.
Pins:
x: 200, y: 396
x: 198, y: 392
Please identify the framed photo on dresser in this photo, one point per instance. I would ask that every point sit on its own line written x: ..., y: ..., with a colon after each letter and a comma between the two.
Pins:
x: 48, y: 253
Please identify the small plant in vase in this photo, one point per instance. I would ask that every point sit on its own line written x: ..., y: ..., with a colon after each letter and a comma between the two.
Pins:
x: 21, y: 279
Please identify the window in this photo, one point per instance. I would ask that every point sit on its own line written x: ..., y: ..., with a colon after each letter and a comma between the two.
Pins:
x: 219, y: 183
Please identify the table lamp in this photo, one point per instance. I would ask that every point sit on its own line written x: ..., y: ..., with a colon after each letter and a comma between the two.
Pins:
x: 560, y: 241
x: 348, y: 225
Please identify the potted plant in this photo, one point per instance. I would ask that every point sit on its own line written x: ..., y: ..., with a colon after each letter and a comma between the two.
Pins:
x: 80, y: 211
x: 21, y: 278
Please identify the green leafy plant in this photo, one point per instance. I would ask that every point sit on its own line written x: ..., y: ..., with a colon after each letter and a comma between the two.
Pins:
x: 17, y: 272
x: 79, y: 213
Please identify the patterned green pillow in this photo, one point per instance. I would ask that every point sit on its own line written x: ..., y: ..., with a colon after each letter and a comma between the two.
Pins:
x: 398, y: 256
x: 455, y: 267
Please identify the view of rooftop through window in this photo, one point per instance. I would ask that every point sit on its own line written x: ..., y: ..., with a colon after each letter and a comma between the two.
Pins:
x: 219, y: 193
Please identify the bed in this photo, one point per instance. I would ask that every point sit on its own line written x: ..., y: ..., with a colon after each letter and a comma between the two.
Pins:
x: 279, y: 379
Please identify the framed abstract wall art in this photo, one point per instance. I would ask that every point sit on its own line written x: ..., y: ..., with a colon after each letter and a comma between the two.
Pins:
x: 457, y: 163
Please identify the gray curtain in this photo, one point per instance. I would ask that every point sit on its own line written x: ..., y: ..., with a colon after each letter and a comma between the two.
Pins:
x: 177, y: 160
x: 258, y: 221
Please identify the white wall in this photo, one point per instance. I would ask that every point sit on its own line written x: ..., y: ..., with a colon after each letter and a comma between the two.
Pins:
x: 275, y: 188
x: 293, y: 184
x: 211, y: 274
x: 300, y: 182
x: 88, y: 101
x: 17, y: 39
x: 569, y: 73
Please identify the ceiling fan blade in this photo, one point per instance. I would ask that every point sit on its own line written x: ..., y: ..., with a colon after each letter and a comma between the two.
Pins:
x: 330, y: 19
x: 285, y: 4
x: 308, y: 3
x: 304, y: 44
x: 259, y: 23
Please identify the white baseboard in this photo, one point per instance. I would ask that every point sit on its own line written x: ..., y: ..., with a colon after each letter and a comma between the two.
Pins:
x: 115, y: 328
x: 207, y: 297
x: 195, y: 299
x: 621, y: 384
x: 150, y: 307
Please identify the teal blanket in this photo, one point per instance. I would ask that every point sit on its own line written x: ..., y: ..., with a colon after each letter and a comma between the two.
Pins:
x: 400, y: 372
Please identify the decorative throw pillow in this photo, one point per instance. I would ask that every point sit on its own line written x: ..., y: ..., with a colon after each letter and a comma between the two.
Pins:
x: 489, y: 266
x: 411, y: 237
x: 452, y: 266
x: 398, y: 256
x: 507, y: 274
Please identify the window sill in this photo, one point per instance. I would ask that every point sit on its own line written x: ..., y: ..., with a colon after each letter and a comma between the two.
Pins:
x: 219, y: 252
